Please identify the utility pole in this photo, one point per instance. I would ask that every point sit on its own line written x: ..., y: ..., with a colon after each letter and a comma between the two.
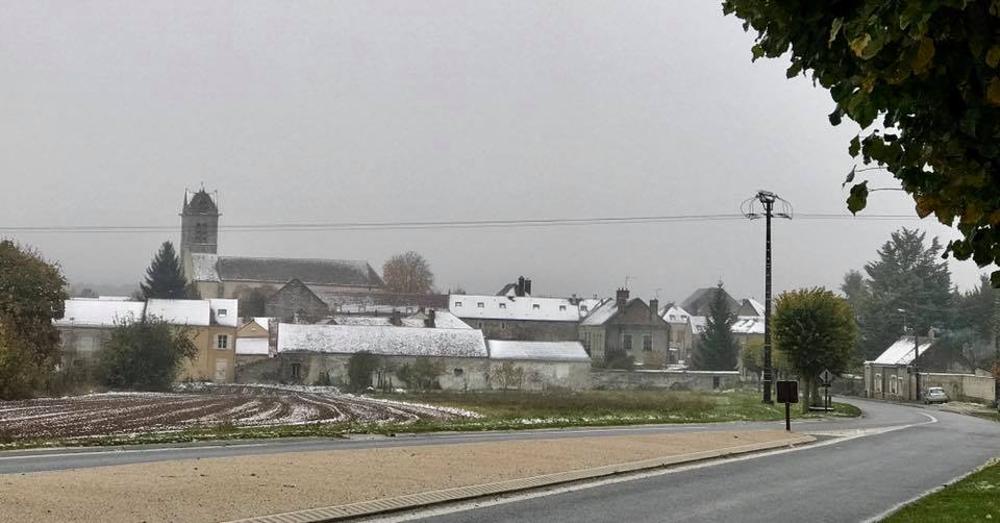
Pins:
x: 767, y: 201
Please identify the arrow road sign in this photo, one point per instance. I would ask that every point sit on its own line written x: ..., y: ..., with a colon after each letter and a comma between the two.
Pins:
x: 826, y: 377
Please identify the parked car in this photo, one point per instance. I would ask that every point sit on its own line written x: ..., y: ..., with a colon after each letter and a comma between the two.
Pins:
x: 935, y: 395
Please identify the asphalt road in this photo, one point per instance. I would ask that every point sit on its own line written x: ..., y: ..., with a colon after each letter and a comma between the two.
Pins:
x: 850, y: 480
x: 17, y: 462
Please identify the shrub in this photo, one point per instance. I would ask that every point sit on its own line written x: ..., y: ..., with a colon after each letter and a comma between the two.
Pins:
x: 360, y: 367
x: 422, y: 375
x: 144, y: 355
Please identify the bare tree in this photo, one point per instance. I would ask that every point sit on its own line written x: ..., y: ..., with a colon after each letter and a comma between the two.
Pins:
x: 408, y: 273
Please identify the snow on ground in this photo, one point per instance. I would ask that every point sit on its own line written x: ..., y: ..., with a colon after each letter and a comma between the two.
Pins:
x: 123, y: 413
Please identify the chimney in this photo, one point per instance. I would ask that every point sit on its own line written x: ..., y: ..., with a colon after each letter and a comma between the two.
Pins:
x: 272, y: 338
x: 519, y: 290
x: 396, y: 318
x: 654, y: 307
x: 429, y: 321
x: 527, y: 287
x: 621, y: 298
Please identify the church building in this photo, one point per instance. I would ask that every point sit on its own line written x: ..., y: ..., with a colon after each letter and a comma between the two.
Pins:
x: 218, y: 276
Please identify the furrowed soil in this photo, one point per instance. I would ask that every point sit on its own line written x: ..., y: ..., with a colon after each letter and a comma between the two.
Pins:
x: 116, y: 414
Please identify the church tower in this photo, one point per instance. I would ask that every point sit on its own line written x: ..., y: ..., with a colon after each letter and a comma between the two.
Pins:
x: 199, y: 225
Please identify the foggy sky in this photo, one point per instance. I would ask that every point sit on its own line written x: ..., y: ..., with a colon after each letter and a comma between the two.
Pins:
x: 389, y: 110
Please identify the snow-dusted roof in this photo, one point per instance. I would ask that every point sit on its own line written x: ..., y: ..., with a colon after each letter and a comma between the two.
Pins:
x: 262, y: 322
x: 180, y: 312
x: 225, y: 312
x: 210, y: 267
x: 89, y: 312
x: 512, y: 308
x: 757, y: 306
x: 697, y: 324
x: 748, y: 325
x: 538, y: 350
x: 675, y: 314
x: 392, y: 341
x: 587, y: 305
x: 252, y: 346
x: 367, y: 321
x: 602, y: 313
x: 901, y: 352
x: 442, y: 320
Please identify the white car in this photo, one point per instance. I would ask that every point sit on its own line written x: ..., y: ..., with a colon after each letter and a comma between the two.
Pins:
x: 935, y: 395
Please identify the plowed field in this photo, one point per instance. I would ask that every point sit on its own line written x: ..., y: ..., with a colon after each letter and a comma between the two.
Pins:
x: 128, y: 413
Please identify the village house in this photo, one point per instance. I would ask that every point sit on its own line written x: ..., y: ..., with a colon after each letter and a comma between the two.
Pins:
x: 681, y: 337
x: 299, y: 302
x: 310, y: 353
x: 211, y: 325
x: 540, y: 365
x: 217, y: 276
x: 515, y: 314
x: 252, y: 341
x: 891, y: 375
x: 626, y: 327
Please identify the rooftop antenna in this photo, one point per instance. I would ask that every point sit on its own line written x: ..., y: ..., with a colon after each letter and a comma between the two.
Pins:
x: 627, y: 280
x: 763, y: 205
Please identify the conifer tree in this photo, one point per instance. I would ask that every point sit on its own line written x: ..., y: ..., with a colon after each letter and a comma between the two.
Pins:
x: 717, y: 348
x: 164, y: 277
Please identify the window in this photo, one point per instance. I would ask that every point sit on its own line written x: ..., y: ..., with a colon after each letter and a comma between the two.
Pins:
x: 647, y: 343
x: 673, y: 317
x: 458, y: 304
x: 583, y: 308
x: 222, y: 341
x: 296, y: 370
x: 459, y: 372
x: 562, y: 307
x: 716, y: 382
x: 627, y: 342
x: 535, y: 306
x: 503, y: 325
x: 480, y: 305
x: 222, y: 313
x: 503, y: 305
x: 201, y: 233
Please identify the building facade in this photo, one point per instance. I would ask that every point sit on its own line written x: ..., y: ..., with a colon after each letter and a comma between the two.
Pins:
x: 627, y: 328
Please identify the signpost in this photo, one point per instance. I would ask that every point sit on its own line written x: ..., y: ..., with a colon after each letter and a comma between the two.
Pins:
x: 788, y: 393
x: 826, y: 378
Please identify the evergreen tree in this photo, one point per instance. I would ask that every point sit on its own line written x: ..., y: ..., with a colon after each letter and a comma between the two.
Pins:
x: 164, y: 277
x: 909, y: 283
x: 717, y: 348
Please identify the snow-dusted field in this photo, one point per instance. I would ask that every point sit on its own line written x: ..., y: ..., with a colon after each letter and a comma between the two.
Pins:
x: 120, y: 413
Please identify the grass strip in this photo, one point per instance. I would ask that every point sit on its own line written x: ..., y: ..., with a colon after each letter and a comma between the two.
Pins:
x: 975, y: 498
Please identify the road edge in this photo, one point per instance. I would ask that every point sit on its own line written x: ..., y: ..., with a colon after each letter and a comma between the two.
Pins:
x: 426, y: 499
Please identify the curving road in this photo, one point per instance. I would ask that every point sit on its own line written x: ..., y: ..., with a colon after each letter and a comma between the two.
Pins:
x: 841, y: 480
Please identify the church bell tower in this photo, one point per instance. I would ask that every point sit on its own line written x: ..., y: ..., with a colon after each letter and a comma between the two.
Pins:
x: 199, y: 224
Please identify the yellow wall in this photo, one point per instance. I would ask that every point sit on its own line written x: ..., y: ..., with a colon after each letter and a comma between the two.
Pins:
x: 211, y: 363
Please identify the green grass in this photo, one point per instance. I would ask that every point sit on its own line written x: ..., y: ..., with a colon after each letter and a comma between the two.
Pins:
x: 975, y: 498
x: 499, y: 411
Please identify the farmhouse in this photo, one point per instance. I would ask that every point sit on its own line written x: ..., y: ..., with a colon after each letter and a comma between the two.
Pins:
x: 514, y: 314
x: 211, y: 324
x: 627, y: 328
x: 540, y: 365
x: 890, y: 376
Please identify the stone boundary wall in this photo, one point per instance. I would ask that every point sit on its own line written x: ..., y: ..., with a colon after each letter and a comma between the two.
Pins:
x: 960, y: 386
x: 664, y: 379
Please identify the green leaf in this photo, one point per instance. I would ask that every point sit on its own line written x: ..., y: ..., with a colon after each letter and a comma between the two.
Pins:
x: 858, y: 198
x: 858, y: 44
x: 855, y: 147
x: 757, y: 50
x: 850, y: 176
x: 835, y: 117
x: 793, y: 70
x: 834, y: 29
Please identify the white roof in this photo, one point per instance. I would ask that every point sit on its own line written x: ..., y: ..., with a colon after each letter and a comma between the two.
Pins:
x: 602, y: 313
x: 587, y: 305
x: 748, y: 325
x: 180, y: 312
x: 89, y: 312
x: 396, y: 341
x: 538, y: 350
x: 252, y: 346
x: 758, y: 306
x: 901, y: 352
x: 675, y: 314
x: 262, y: 322
x: 442, y: 320
x: 512, y: 308
x: 225, y: 312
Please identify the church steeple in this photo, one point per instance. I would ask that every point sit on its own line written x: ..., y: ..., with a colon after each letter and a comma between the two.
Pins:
x: 199, y: 224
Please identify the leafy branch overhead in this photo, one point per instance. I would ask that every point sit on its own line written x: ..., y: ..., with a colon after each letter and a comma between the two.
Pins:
x: 922, y: 79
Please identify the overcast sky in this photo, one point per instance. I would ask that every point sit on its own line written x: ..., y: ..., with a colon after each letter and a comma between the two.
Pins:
x: 404, y: 110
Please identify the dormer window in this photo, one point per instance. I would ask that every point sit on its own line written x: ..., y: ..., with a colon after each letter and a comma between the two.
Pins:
x: 503, y: 305
x: 222, y: 313
x: 458, y: 304
x: 480, y: 305
x: 562, y: 307
x: 583, y: 308
x: 535, y: 307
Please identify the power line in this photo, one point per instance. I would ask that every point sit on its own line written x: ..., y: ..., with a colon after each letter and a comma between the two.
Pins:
x: 430, y: 225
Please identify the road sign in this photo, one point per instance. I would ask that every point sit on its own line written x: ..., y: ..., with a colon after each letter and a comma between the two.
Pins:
x: 788, y: 392
x: 826, y: 377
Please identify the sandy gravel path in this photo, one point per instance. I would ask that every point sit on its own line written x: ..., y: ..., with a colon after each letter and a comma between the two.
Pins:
x: 221, y: 489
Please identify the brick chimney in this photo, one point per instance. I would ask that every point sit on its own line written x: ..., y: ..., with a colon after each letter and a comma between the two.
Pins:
x: 429, y: 322
x: 654, y: 307
x: 527, y: 287
x: 621, y: 298
x: 519, y: 288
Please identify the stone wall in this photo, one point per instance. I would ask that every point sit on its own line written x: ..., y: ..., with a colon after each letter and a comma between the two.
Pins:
x: 960, y: 386
x: 664, y: 379
x: 545, y: 375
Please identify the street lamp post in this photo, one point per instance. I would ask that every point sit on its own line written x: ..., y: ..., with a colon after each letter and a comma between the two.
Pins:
x: 767, y: 201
